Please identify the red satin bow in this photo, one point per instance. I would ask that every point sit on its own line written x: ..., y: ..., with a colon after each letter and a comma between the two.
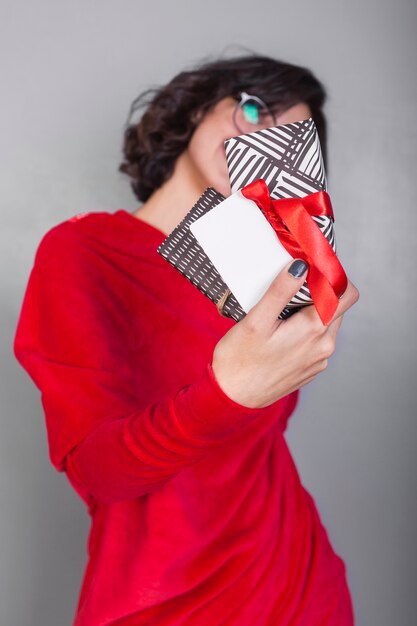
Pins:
x: 302, y: 238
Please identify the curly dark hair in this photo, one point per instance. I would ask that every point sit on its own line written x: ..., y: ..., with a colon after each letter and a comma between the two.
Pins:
x: 152, y: 145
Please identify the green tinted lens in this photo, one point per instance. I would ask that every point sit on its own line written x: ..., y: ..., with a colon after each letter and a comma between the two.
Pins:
x: 251, y: 112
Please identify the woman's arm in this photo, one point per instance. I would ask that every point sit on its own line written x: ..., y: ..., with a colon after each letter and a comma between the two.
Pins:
x: 134, y: 455
x: 112, y: 448
x: 265, y: 362
x: 74, y: 340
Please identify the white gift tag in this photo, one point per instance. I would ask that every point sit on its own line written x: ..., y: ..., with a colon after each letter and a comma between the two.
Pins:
x: 243, y: 246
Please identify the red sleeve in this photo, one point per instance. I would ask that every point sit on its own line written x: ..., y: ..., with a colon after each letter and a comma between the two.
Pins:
x: 68, y: 341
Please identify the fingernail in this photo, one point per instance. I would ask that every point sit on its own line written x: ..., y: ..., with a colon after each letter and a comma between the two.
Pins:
x: 298, y: 268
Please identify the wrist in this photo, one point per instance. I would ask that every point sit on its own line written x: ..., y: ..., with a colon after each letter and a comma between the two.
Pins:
x: 237, y: 391
x: 207, y: 412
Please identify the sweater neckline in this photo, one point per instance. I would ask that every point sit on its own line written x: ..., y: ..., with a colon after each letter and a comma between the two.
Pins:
x: 141, y: 223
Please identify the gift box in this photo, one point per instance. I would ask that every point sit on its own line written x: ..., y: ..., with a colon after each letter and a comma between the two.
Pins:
x: 184, y: 252
x: 287, y: 157
x: 232, y: 248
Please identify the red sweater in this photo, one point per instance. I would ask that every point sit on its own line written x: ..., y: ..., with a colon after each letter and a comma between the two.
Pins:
x: 198, y: 514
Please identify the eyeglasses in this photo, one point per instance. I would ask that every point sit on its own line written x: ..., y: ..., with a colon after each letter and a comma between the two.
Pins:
x: 251, y: 114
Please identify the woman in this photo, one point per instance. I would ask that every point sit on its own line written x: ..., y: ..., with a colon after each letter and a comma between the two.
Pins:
x: 167, y: 418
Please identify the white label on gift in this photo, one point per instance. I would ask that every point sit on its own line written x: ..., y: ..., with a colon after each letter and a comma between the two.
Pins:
x: 243, y: 246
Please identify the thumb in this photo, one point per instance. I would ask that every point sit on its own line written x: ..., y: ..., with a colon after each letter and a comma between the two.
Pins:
x: 283, y: 288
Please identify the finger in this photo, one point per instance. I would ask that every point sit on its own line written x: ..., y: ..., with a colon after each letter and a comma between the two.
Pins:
x: 306, y: 381
x: 283, y: 288
x: 309, y: 377
x: 333, y: 327
x: 347, y: 300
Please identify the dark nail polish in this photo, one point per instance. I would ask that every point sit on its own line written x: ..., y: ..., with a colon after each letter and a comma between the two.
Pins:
x: 298, y: 268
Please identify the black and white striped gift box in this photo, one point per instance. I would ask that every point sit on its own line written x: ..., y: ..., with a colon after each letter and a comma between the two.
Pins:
x: 289, y: 159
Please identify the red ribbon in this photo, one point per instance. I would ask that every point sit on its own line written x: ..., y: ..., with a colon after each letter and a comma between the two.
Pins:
x: 302, y: 238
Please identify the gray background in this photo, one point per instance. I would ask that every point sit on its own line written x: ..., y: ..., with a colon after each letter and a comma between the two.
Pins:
x: 69, y: 73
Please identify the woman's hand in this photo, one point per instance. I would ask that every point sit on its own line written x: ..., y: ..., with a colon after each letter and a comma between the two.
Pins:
x: 261, y: 359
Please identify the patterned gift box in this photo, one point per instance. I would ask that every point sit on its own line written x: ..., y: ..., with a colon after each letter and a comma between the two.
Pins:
x: 289, y: 159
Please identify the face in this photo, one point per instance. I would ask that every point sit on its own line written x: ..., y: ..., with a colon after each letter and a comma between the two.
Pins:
x: 205, y: 152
